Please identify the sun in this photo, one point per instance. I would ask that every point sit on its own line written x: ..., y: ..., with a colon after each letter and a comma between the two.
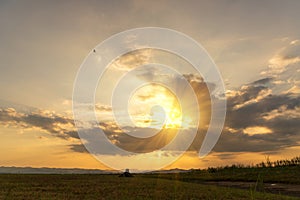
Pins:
x: 170, y: 117
x: 155, y: 106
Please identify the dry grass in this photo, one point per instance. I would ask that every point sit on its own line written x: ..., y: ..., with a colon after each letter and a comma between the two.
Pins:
x: 18, y: 186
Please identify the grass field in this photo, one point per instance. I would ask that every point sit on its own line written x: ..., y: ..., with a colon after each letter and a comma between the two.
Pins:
x: 286, y: 174
x: 195, y: 184
x: 21, y: 186
x: 277, y: 180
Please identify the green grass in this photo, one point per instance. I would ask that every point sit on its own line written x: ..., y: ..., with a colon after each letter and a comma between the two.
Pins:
x: 20, y: 186
x: 286, y: 174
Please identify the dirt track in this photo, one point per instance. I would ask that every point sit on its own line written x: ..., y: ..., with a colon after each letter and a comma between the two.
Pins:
x: 275, y: 188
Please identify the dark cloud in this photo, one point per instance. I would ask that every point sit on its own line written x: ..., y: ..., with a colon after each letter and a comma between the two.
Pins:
x: 240, y: 142
x: 55, y: 124
x: 285, y: 129
x: 252, y: 105
x: 78, y: 148
x: 272, y: 103
x: 225, y: 156
x: 252, y: 114
x: 263, y: 81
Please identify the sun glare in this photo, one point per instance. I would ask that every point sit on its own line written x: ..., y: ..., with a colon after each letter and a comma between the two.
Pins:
x: 158, y: 108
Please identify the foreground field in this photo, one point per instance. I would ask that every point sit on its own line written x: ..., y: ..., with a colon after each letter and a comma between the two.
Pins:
x: 18, y: 186
x: 277, y: 180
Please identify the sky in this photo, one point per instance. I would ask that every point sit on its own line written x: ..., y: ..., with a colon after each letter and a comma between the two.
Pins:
x: 255, y: 44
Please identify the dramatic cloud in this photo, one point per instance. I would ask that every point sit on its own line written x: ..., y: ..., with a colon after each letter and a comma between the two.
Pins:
x: 284, y: 69
x: 261, y: 116
x: 55, y: 124
x: 257, y: 121
x: 264, y: 115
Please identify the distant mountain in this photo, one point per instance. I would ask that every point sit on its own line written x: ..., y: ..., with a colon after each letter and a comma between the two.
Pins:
x: 44, y: 170
x: 176, y: 170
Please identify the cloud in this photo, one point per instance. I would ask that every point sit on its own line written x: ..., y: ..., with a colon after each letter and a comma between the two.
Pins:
x: 259, y: 119
x: 103, y: 108
x: 263, y: 116
x: 132, y: 60
x: 254, y: 130
x: 78, y: 148
x: 144, y: 97
x: 287, y: 56
x: 263, y: 121
x: 250, y: 105
x: 263, y: 81
x: 55, y: 124
x: 64, y: 128
x: 282, y: 111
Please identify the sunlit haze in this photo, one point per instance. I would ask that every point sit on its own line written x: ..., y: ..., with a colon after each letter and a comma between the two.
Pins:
x: 254, y: 44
